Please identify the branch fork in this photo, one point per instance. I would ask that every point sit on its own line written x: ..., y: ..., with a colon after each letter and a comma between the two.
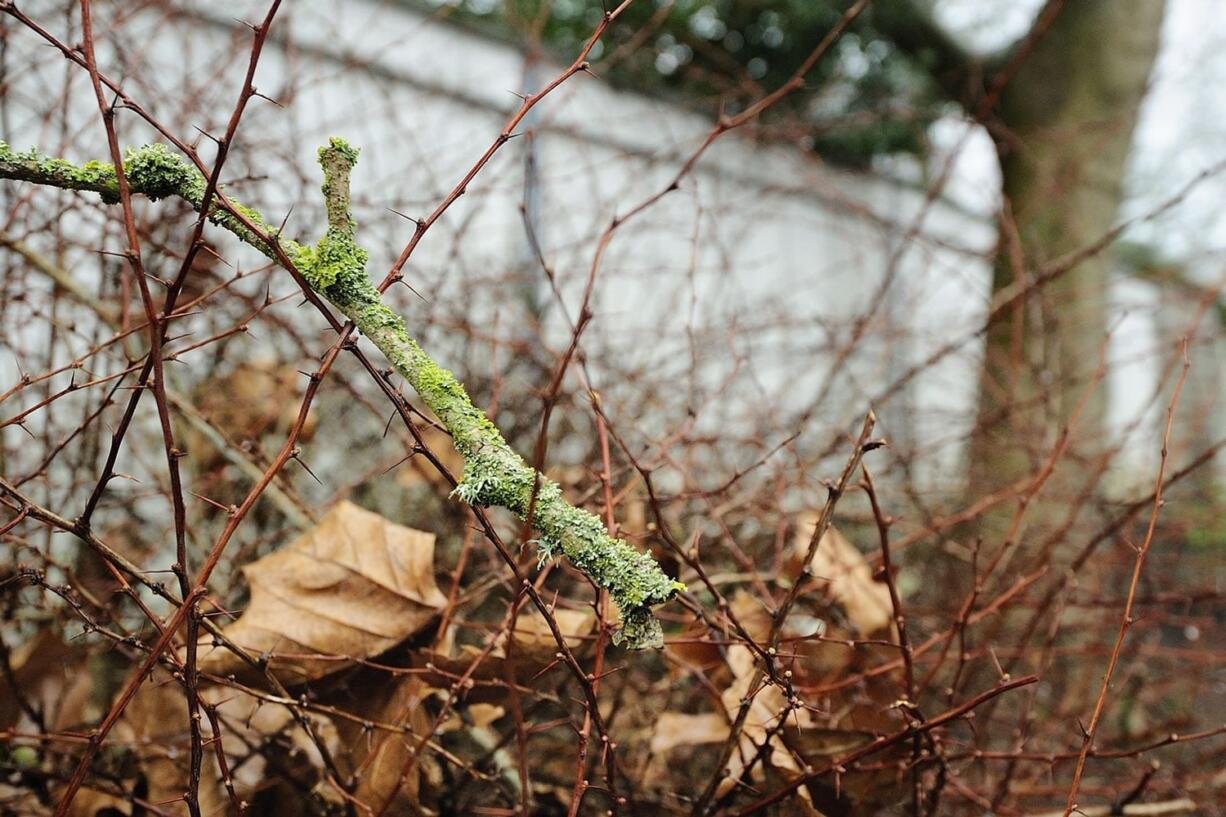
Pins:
x: 335, y: 267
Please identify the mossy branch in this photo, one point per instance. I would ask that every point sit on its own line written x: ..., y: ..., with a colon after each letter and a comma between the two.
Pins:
x: 335, y: 267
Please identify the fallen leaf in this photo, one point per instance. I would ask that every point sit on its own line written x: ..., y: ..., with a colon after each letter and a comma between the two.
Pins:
x: 534, y: 650
x: 351, y: 588
x: 759, y: 730
x: 848, y: 580
x: 675, y: 729
x: 155, y: 726
x: 864, y: 607
x: 90, y: 803
x: 389, y: 779
x: 534, y: 640
x: 36, y: 671
x: 484, y: 715
x: 761, y: 725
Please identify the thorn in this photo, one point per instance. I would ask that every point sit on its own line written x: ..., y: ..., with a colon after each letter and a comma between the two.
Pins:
x: 405, y: 217
x: 298, y: 460
x: 208, y: 501
x: 207, y: 135
x: 254, y: 92
x: 423, y: 298
x: 398, y: 463
x: 285, y: 220
x: 205, y: 247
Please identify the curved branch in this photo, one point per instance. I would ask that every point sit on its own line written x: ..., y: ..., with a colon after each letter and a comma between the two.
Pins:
x: 335, y: 267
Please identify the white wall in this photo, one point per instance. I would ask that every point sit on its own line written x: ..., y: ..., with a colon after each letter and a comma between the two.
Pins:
x: 744, y: 283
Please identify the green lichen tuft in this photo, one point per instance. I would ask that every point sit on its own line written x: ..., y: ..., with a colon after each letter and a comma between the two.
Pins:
x: 640, y: 630
x: 157, y: 172
x: 95, y: 172
x: 336, y: 265
x: 337, y: 145
x: 335, y: 260
x: 31, y: 165
x: 488, y: 482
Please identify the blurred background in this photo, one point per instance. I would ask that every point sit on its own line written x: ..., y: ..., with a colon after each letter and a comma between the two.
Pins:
x: 996, y: 225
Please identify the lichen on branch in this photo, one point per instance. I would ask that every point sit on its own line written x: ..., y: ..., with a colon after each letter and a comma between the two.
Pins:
x: 494, y: 474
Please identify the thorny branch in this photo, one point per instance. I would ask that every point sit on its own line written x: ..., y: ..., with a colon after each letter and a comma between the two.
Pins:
x: 336, y: 268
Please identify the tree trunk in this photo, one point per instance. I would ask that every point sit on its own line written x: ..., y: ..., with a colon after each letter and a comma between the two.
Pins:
x: 1063, y: 131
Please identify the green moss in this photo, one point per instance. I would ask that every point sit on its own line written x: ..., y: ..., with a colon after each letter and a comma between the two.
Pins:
x: 251, y: 214
x: 337, y: 159
x: 30, y: 165
x: 153, y: 170
x: 341, y: 148
x: 336, y: 259
x: 640, y: 630
x: 376, y: 317
x: 490, y: 481
x: 440, y: 382
x: 157, y: 172
x: 97, y: 172
x: 336, y: 265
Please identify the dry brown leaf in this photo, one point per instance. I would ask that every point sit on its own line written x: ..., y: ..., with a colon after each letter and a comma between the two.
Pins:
x: 534, y: 640
x: 351, y: 588
x: 866, y: 607
x: 379, y: 758
x: 535, y: 649
x: 37, y: 670
x: 767, y: 704
x: 90, y: 803
x: 849, y: 580
x: 248, y: 721
x: 155, y: 725
x: 675, y: 729
x: 484, y: 715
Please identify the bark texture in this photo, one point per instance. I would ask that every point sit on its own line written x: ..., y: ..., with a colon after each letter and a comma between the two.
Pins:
x: 1063, y: 130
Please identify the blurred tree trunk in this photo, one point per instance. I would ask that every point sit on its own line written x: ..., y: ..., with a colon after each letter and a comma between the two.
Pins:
x: 1063, y: 129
